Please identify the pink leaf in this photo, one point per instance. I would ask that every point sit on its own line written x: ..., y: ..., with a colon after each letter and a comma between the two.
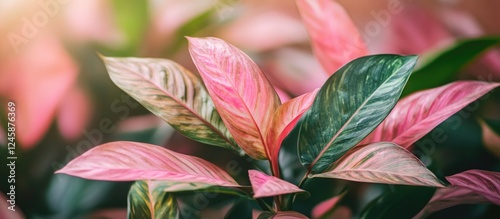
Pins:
x: 282, y: 215
x: 129, y: 161
x: 323, y: 208
x: 6, y: 206
x: 382, y: 162
x: 334, y: 38
x: 241, y: 93
x: 295, y: 71
x: 486, y: 183
x: 36, y: 80
x: 255, y: 32
x: 469, y: 187
x: 284, y: 119
x: 416, y: 115
x: 266, y: 186
x: 74, y: 114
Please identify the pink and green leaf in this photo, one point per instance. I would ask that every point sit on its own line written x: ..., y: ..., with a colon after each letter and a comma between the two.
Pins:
x: 284, y: 120
x: 174, y: 94
x: 130, y: 161
x: 242, y: 94
x: 266, y: 186
x: 350, y: 105
x: 382, y: 162
x: 148, y: 200
x: 416, y: 115
x: 334, y: 37
x: 469, y: 187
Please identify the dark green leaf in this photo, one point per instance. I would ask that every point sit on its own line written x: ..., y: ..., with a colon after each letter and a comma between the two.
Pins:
x: 349, y: 106
x: 146, y: 199
x: 240, y: 210
x: 398, y: 202
x: 494, y: 125
x: 439, y: 67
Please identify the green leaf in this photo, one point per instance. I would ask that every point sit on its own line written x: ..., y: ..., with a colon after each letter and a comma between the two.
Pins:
x: 351, y: 103
x: 174, y: 94
x: 398, y: 202
x: 132, y: 18
x: 148, y: 200
x: 439, y: 67
x: 494, y: 125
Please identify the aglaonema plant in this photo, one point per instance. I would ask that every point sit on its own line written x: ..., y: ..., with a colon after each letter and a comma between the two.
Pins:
x: 352, y: 128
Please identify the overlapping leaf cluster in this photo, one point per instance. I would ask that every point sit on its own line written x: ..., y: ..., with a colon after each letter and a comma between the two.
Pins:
x: 355, y: 127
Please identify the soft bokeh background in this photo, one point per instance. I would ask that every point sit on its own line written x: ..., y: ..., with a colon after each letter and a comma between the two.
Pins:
x: 66, y: 103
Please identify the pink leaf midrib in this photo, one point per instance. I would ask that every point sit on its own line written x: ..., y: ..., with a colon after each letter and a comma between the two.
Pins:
x: 234, y: 88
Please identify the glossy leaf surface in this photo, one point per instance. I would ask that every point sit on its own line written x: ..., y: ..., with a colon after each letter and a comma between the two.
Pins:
x: 440, y: 67
x: 129, y: 161
x: 469, y: 187
x: 266, y: 186
x: 349, y: 106
x: 147, y: 200
x: 416, y: 115
x: 382, y: 162
x: 174, y: 94
x: 284, y: 119
x: 242, y: 94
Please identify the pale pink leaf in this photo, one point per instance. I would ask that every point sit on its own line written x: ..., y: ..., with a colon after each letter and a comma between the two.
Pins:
x: 131, y: 161
x: 295, y: 71
x: 36, y: 80
x: 266, y: 186
x: 416, y: 115
x: 282, y: 215
x: 74, y: 114
x: 284, y: 119
x: 334, y: 37
x: 241, y: 93
x: 469, y: 187
x: 382, y: 162
x: 255, y: 32
x: 323, y: 208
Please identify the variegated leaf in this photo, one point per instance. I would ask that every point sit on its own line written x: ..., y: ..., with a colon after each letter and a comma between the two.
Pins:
x: 284, y: 120
x: 242, y: 94
x: 382, y: 162
x: 349, y: 106
x: 266, y: 186
x: 469, y: 187
x: 147, y: 200
x: 416, y: 115
x: 334, y: 37
x: 174, y: 94
x: 129, y: 161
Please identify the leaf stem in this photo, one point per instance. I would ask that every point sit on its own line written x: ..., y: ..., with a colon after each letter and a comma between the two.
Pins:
x: 264, y: 205
x: 301, y: 183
